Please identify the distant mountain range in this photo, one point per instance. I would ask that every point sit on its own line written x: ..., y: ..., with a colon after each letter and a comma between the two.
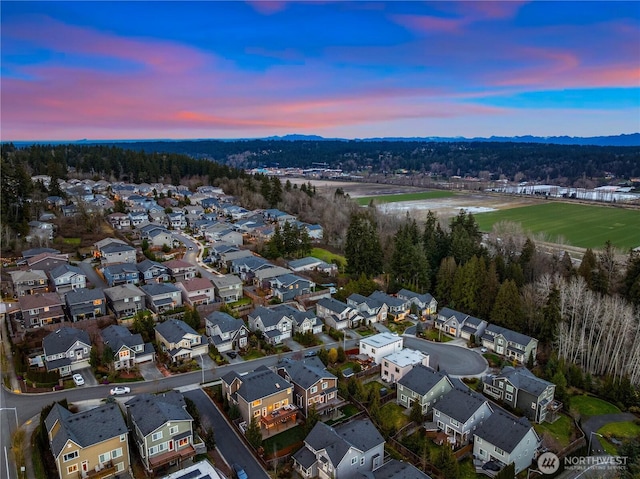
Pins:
x: 632, y: 139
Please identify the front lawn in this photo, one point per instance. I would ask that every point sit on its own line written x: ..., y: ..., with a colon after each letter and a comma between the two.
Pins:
x: 399, y: 327
x: 364, y: 332
x: 494, y: 360
x: 620, y: 431
x: 592, y: 406
x: 436, y: 335
x: 561, y: 430
x: 284, y: 439
x: 253, y: 354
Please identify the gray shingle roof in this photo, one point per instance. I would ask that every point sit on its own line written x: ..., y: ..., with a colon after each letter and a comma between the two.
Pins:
x: 224, y: 321
x: 173, y: 330
x: 395, y: 469
x: 86, y: 428
x: 504, y: 430
x: 423, y: 298
x: 117, y: 336
x: 460, y: 404
x: 333, y: 305
x: 305, y: 374
x: 261, y: 383
x: 361, y: 434
x: 83, y: 295
x: 117, y: 248
x: 147, y: 264
x: 305, y: 457
x: 123, y: 291
x: 61, y: 340
x: 421, y: 379
x: 525, y: 380
x: 64, y: 269
x: 268, y: 316
x: 390, y: 301
x: 155, y: 289
x: 226, y: 280
x: 510, y: 335
x: 149, y: 412
x: 121, y: 268
x: 448, y: 312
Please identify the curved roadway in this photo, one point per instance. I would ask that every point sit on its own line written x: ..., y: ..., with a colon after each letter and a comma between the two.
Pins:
x: 455, y: 360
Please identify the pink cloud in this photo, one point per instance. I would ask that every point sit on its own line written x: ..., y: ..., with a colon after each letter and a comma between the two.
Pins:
x: 267, y: 7
x: 430, y: 24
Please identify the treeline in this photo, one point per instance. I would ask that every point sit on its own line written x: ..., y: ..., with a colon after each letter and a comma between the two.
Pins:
x: 560, y: 163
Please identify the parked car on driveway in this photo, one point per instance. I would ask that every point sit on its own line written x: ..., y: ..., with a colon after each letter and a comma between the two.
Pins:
x: 232, y: 354
x: 238, y: 472
x: 120, y: 390
x: 483, y: 350
x: 78, y: 380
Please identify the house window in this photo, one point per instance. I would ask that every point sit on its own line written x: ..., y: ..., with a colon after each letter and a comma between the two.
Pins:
x: 162, y: 447
x: 183, y: 442
x: 156, y: 436
x: 436, y: 413
x: 362, y: 461
x: 314, y: 389
x: 479, y: 440
x: 403, y: 398
x: 354, y: 460
x: 455, y: 423
x: 72, y: 468
x: 257, y: 403
x: 501, y: 385
x: 499, y: 451
x: 124, y: 354
x: 256, y: 413
x: 276, y: 405
x: 533, y: 405
x: 509, y: 388
x: 120, y: 467
x: 116, y: 453
x: 173, y: 430
x: 325, y: 385
x: 508, y: 397
x: 71, y: 455
x: 123, y: 437
x: 104, y: 457
x: 153, y: 450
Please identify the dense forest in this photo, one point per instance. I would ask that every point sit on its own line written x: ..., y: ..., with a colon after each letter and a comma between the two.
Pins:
x: 562, y: 164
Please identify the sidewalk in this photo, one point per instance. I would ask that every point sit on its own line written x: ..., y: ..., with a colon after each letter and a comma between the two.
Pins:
x: 6, y: 349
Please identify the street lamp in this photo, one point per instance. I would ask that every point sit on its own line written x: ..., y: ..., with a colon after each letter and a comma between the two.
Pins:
x: 590, y: 438
x: 202, y: 367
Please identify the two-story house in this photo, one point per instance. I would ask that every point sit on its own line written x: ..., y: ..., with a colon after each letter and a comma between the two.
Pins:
x: 117, y: 252
x: 119, y: 221
x: 423, y: 384
x: 228, y: 288
x: 121, y: 273
x: 85, y: 304
x: 159, y: 237
x: 128, y: 349
x: 153, y: 272
x: 162, y: 297
x: 125, y: 300
x: 138, y: 218
x: 275, y: 324
x: 450, y: 321
x: 397, y: 308
x: 264, y: 395
x: 426, y: 304
x: 29, y: 282
x: 247, y: 267
x: 396, y: 365
x: 197, y: 291
x: 349, y: 451
x: 509, y: 343
x: 459, y: 413
x: 505, y: 439
x: 380, y: 345
x: 92, y: 444
x: 371, y: 310
x: 303, y: 321
x: 313, y: 385
x: 40, y: 309
x: 520, y: 389
x: 226, y: 332
x: 226, y: 255
x: 47, y: 261
x: 473, y: 327
x: 337, y: 315
x: 287, y: 286
x: 66, y: 350
x: 66, y: 278
x: 161, y: 429
x: 180, y: 341
x: 180, y: 270
x: 262, y: 277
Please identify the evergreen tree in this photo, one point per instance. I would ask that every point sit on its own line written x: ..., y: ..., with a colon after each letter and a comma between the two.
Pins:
x: 490, y: 288
x: 253, y: 433
x: 275, y: 246
x: 551, y: 317
x: 630, y: 287
x: 362, y: 250
x: 588, y: 268
x: 312, y: 419
x: 416, y: 412
x: 507, y: 311
x: 566, y: 268
x: 445, y: 280
x: 508, y: 472
x: 275, y: 195
x: 527, y: 256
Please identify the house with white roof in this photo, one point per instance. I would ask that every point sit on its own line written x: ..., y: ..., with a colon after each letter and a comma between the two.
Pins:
x: 396, y: 365
x: 380, y: 345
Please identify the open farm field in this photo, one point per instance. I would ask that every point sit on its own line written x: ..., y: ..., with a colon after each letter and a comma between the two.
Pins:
x: 585, y: 226
x: 425, y: 195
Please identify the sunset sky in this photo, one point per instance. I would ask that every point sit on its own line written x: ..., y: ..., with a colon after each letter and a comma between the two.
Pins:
x: 141, y: 70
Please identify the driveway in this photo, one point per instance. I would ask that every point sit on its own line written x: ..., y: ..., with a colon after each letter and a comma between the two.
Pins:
x: 230, y: 445
x: 594, y: 423
x: 89, y: 378
x: 292, y: 345
x: 455, y: 360
x: 149, y: 371
x: 93, y: 277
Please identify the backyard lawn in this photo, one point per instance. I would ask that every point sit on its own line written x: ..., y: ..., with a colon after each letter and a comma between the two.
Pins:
x: 393, y: 414
x: 284, y: 439
x: 592, y: 406
x: 560, y: 430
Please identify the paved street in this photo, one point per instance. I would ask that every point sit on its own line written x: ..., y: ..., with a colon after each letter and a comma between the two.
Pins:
x: 455, y: 360
x: 93, y: 277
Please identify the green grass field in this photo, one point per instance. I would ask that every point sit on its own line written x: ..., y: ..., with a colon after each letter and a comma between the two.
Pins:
x: 584, y: 226
x: 426, y: 195
x: 590, y: 406
x: 619, y: 430
x: 327, y: 256
x: 560, y: 430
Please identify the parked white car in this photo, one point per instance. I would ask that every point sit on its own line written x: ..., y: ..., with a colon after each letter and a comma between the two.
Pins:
x: 78, y: 379
x: 120, y: 390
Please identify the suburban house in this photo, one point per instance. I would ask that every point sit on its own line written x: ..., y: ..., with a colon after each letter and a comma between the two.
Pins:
x: 180, y: 341
x: 121, y: 273
x: 161, y: 428
x: 396, y: 365
x: 348, y: 451
x: 180, y: 270
x: 426, y: 304
x: 450, y: 321
x: 372, y: 311
x: 395, y: 469
x: 310, y: 263
x: 153, y: 272
x: 66, y: 350
x: 199, y: 470
x: 313, y: 385
x: 128, y: 348
x: 247, y: 267
x: 520, y: 389
x: 119, y: 221
x: 137, y: 218
x: 303, y: 321
x: 505, y: 439
x: 40, y: 309
x: 197, y: 291
x: 88, y: 444
x: 288, y: 286
x: 262, y: 277
x: 223, y: 232
x: 125, y: 300
x: 228, y: 288
x: 67, y: 278
x: 262, y: 394
x: 338, y: 315
x: 226, y: 332
x: 47, y: 261
x: 509, y: 343
x: 228, y: 254
x: 29, y: 282
x: 380, y: 345
x: 423, y: 384
x: 177, y: 220
x: 397, y: 308
x: 459, y: 412
x: 275, y: 324
x: 117, y: 252
x: 159, y: 237
x: 162, y: 297
x: 85, y: 304
x: 473, y: 327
